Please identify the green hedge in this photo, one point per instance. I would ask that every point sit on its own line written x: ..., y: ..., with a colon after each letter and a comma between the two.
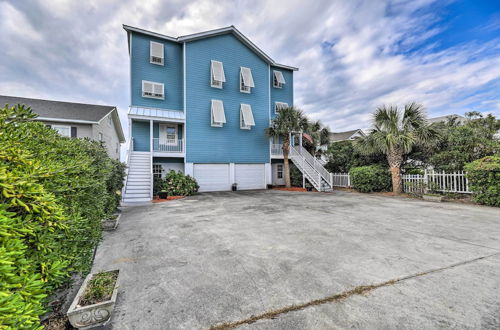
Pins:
x: 370, y: 178
x: 484, y: 180
x: 54, y: 193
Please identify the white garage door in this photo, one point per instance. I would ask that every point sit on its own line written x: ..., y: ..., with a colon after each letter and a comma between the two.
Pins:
x: 250, y: 176
x: 212, y: 177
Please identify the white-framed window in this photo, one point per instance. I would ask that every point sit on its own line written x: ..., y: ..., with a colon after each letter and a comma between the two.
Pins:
x: 156, y: 53
x: 153, y: 90
x: 279, y: 105
x: 246, y: 80
x: 168, y: 134
x: 63, y: 130
x: 217, y: 76
x: 109, y: 120
x: 279, y: 171
x: 101, y: 137
x: 246, y: 117
x: 157, y: 170
x: 278, y: 79
x: 217, y: 116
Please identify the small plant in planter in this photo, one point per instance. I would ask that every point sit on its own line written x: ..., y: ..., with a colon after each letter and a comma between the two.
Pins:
x: 163, y: 194
x: 95, y: 300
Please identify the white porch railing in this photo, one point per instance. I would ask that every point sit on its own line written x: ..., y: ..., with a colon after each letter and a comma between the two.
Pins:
x: 455, y: 182
x: 276, y: 149
x: 314, y: 163
x: 174, y: 145
x: 341, y: 180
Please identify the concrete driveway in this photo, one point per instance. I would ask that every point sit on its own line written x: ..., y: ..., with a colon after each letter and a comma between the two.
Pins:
x: 288, y: 260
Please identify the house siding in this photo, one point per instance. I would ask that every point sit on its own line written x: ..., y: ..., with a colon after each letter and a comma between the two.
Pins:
x: 82, y: 130
x: 227, y: 144
x: 110, y: 138
x: 170, y: 74
x: 283, y: 94
x: 140, y: 135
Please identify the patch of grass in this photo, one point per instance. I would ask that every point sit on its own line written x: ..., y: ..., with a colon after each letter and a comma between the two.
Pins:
x: 100, y: 288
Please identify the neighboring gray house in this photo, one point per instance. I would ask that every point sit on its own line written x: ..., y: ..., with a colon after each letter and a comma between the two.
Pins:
x: 347, y: 135
x: 78, y: 120
x: 459, y: 119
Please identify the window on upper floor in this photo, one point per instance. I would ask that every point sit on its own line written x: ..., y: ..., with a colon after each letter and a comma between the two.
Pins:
x: 246, y: 117
x: 153, y: 90
x: 217, y: 76
x: 278, y: 79
x: 279, y: 105
x: 217, y: 116
x: 246, y: 80
x: 156, y: 53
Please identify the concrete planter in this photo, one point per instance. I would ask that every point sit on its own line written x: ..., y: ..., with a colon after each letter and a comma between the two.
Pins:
x: 433, y: 198
x: 111, y: 223
x: 90, y: 316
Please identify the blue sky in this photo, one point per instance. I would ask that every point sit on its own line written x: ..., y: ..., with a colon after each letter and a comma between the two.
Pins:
x: 353, y: 55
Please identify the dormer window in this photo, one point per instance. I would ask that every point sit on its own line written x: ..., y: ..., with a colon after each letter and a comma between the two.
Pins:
x: 278, y: 79
x: 246, y: 80
x: 153, y: 90
x: 217, y: 76
x: 156, y: 53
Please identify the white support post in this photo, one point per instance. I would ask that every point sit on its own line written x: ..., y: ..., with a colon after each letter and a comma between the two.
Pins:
x: 331, y: 180
x: 151, y: 158
x: 231, y: 173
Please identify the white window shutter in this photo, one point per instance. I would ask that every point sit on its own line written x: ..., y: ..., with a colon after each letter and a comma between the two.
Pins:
x: 279, y: 77
x: 158, y: 89
x: 218, y: 112
x: 156, y: 50
x: 218, y: 71
x: 247, y: 77
x: 147, y: 87
x: 246, y: 110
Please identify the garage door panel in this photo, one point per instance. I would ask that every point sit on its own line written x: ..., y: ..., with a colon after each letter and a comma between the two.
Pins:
x: 212, y: 177
x: 250, y: 176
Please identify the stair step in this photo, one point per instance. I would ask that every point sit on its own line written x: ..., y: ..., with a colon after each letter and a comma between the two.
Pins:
x: 137, y: 195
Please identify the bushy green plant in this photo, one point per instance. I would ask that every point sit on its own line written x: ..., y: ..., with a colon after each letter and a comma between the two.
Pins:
x: 178, y: 184
x: 370, y: 178
x: 54, y: 192
x: 158, y: 183
x: 484, y: 180
x: 295, y: 176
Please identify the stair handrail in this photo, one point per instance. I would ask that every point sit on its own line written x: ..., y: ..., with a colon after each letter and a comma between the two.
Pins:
x: 315, y: 164
x: 303, y: 165
x: 130, y: 145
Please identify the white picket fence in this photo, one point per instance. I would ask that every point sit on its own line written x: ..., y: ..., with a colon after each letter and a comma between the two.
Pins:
x: 455, y: 182
x: 341, y: 179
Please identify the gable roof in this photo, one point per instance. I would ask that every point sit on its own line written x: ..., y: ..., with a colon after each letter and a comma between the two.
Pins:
x: 342, y: 136
x: 458, y: 118
x: 49, y: 110
x: 212, y: 33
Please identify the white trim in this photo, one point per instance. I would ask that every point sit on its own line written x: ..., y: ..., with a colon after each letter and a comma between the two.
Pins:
x: 269, y: 100
x: 184, y: 128
x: 151, y: 55
x: 162, y: 97
x: 157, y: 118
x: 212, y: 115
x: 63, y: 120
x: 130, y: 68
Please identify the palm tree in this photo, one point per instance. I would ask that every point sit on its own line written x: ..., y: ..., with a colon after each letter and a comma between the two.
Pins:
x: 287, y: 121
x: 320, y: 136
x: 395, y: 133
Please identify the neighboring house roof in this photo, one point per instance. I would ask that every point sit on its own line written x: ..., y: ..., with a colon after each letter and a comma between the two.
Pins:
x: 347, y: 135
x: 460, y: 119
x: 49, y: 110
x: 212, y: 33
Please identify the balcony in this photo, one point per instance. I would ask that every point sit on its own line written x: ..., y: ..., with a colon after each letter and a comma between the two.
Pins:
x: 276, y: 150
x: 168, y: 146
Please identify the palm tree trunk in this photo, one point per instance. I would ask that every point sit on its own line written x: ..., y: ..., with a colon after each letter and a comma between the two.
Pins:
x: 395, y: 159
x: 286, y: 165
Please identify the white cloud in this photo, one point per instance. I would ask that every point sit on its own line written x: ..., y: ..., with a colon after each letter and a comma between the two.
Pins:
x: 353, y: 55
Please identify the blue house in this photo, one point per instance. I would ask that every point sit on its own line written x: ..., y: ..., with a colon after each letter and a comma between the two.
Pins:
x: 200, y: 104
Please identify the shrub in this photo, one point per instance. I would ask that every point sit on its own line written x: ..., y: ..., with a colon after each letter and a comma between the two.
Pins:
x: 295, y: 176
x: 178, y: 184
x: 370, y: 178
x: 484, y: 180
x: 157, y: 185
x: 54, y: 193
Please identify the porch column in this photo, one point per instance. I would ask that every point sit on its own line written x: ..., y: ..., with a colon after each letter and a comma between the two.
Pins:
x: 300, y: 139
x: 150, y: 135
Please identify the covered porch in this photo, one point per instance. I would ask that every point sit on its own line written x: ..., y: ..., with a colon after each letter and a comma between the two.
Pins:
x: 157, y: 130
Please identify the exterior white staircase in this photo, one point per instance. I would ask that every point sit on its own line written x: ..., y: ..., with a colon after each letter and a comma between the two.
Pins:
x: 138, y: 184
x: 311, y: 168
